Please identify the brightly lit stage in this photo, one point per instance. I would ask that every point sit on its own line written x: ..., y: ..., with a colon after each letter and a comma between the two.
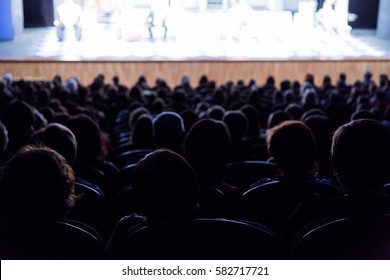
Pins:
x: 208, y: 36
x: 275, y: 45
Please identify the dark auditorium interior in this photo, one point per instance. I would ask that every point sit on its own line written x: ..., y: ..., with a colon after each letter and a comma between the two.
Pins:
x: 194, y: 130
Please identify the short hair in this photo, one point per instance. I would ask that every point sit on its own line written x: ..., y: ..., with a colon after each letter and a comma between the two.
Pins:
x: 136, y: 113
x: 216, y: 112
x: 59, y: 138
x: 165, y: 186
x: 292, y: 145
x: 89, y: 143
x: 253, y: 118
x: 278, y: 117
x: 361, y: 154
x: 362, y: 114
x: 169, y: 131
x: 207, y: 148
x: 237, y: 123
x: 18, y: 116
x: 142, y: 130
x: 312, y: 112
x: 38, y: 182
x: 189, y: 118
x: 295, y: 110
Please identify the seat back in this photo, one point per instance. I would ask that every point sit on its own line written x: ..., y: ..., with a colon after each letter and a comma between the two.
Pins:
x: 366, y: 238
x: 198, y: 239
x: 91, y: 206
x: 244, y: 173
x: 125, y: 175
x: 95, y: 176
x: 30, y: 239
x: 130, y: 157
x: 290, y: 191
x: 124, y: 203
x: 272, y: 203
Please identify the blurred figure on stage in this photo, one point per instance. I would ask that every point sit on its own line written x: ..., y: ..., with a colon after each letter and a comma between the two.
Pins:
x: 332, y: 20
x: 157, y: 20
x: 69, y: 17
x: 240, y: 15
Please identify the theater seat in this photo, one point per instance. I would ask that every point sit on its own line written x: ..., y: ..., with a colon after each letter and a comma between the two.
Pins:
x: 125, y: 175
x: 244, y: 173
x: 198, y: 239
x: 358, y: 238
x: 130, y: 157
x: 35, y: 239
x: 91, y: 206
x: 271, y: 203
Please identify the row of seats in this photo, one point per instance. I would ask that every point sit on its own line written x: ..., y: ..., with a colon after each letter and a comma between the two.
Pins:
x: 344, y: 238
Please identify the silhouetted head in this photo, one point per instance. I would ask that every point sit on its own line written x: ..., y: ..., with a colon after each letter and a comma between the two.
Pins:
x: 59, y: 138
x: 203, y: 80
x: 158, y: 105
x: 87, y: 133
x: 168, y: 131
x: 216, y: 112
x: 312, y: 112
x: 37, y: 182
x: 207, y: 148
x: 309, y: 78
x: 61, y: 118
x: 252, y: 116
x: 19, y: 120
x: 201, y: 107
x: 363, y: 114
x: 237, y: 123
x: 322, y: 130
x: 285, y: 85
x: 295, y: 110
x: 189, y: 118
x: 136, y: 113
x: 367, y: 75
x: 165, y: 186
x: 310, y: 98
x: 292, y: 146
x: 277, y: 117
x: 18, y: 117
x: 48, y: 113
x: 361, y: 155
x: 143, y: 130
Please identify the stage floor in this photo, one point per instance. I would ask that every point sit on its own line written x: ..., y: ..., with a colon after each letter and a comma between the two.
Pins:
x: 102, y: 44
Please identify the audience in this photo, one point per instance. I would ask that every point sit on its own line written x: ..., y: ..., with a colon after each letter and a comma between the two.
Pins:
x: 292, y: 147
x: 194, y: 131
x: 360, y: 156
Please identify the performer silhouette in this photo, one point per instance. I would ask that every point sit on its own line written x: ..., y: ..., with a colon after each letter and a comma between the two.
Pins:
x: 69, y: 17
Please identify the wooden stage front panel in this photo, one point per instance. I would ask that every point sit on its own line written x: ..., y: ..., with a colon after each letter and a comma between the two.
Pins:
x: 171, y: 71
